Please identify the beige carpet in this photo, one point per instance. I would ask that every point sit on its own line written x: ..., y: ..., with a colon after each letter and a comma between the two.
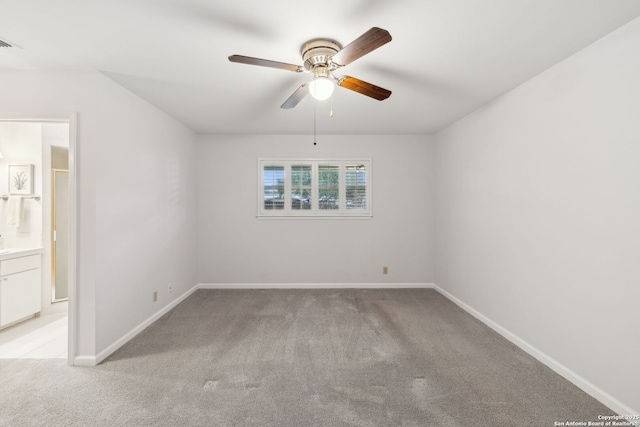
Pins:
x: 301, y: 358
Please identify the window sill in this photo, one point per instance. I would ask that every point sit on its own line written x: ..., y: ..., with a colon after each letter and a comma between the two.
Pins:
x: 321, y: 217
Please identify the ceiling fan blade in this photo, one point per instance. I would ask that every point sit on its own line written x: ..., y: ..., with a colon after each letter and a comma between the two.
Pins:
x: 265, y: 63
x: 357, y: 85
x: 296, y: 97
x: 368, y: 42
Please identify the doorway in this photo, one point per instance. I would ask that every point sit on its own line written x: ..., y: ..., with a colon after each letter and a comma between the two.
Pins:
x: 57, y: 318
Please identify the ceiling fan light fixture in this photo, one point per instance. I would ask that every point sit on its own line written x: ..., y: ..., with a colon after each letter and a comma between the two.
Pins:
x: 321, y: 88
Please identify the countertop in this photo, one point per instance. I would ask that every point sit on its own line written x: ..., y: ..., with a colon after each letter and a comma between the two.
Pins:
x: 18, y: 252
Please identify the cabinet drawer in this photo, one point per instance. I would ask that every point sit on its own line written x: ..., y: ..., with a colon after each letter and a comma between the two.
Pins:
x: 20, y: 296
x: 15, y: 265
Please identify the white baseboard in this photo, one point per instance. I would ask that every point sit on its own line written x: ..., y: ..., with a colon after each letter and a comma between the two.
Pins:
x: 315, y: 285
x: 135, y: 331
x: 586, y: 386
x: 86, y: 361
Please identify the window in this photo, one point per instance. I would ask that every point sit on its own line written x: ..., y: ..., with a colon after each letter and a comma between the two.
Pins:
x: 356, y: 187
x: 328, y: 187
x: 273, y: 188
x: 301, y: 187
x: 308, y: 188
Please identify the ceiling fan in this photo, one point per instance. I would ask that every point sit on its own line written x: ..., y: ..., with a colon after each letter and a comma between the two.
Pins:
x: 322, y: 57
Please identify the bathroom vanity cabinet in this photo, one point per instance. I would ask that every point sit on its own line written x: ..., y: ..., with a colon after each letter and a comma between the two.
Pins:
x: 20, y: 285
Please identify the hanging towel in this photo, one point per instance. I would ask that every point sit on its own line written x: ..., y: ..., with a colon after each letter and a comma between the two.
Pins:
x: 14, y: 211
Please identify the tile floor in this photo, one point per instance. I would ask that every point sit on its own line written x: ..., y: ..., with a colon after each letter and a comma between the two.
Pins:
x: 43, y: 337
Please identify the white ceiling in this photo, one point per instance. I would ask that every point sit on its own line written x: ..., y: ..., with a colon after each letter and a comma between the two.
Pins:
x: 446, y: 59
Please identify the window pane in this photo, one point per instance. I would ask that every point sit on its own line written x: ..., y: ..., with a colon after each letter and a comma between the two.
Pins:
x: 273, y: 187
x: 356, y: 187
x: 328, y: 186
x: 300, y: 187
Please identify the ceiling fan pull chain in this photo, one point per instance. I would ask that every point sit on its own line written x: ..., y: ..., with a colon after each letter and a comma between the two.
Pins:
x: 331, y: 106
x: 315, y: 134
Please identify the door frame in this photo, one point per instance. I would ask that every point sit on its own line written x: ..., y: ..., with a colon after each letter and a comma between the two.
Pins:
x: 72, y: 120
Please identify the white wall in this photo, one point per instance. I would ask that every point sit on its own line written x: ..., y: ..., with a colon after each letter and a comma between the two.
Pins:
x: 235, y: 247
x: 538, y: 214
x: 136, y: 206
x: 145, y: 211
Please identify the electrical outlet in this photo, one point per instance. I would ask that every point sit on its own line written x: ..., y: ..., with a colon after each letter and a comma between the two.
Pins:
x: 155, y: 296
x: 385, y: 270
x: 170, y: 287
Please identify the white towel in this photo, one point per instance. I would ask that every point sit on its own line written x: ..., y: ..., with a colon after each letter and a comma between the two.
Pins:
x: 14, y: 211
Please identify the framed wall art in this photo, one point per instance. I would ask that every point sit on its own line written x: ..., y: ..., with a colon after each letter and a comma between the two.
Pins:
x: 20, y: 179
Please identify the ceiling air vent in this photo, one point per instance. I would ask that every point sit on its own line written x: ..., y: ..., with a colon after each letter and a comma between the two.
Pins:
x: 5, y: 43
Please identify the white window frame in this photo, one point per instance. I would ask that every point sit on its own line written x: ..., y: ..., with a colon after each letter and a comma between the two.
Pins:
x: 314, y: 213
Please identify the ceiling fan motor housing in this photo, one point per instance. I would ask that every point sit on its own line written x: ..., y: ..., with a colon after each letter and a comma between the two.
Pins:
x: 317, y: 54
